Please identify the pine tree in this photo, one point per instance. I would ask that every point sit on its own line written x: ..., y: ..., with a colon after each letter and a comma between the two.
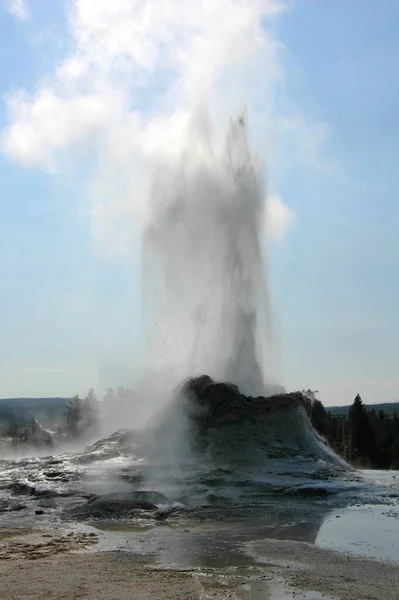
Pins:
x: 363, y: 444
x: 73, y: 414
x: 319, y: 417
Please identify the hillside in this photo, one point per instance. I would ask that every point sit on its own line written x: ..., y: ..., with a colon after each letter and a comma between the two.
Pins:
x: 389, y: 408
x: 20, y: 411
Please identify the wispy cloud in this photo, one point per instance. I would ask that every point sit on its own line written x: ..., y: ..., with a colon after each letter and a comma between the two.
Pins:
x: 279, y: 218
x: 306, y: 140
x: 18, y: 9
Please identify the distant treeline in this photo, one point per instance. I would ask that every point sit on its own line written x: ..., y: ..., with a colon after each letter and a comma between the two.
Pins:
x: 48, y: 421
x: 388, y: 408
x: 21, y: 411
x: 363, y: 436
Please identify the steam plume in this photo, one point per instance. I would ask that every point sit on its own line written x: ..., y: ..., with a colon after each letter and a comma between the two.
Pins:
x: 139, y: 108
x: 205, y: 268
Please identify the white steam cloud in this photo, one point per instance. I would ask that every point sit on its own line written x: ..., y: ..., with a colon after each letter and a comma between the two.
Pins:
x: 125, y: 94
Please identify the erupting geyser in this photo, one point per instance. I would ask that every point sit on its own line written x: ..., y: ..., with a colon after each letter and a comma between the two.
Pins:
x: 206, y: 289
x: 139, y: 90
x: 205, y: 268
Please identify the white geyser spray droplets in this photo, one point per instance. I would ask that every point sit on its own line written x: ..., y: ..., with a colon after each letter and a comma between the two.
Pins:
x: 204, y: 265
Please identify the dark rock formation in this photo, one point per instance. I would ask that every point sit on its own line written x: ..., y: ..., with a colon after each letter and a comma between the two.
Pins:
x: 105, y: 508
x: 22, y: 489
x: 225, y: 423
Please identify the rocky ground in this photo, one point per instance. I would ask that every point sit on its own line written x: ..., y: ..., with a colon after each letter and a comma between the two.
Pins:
x: 53, y: 573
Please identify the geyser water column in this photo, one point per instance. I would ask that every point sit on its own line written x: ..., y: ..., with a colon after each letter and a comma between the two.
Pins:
x: 205, y: 273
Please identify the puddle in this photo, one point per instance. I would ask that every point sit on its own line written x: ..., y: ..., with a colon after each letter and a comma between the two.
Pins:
x: 214, y: 554
x: 200, y: 545
x: 370, y: 531
x: 366, y: 530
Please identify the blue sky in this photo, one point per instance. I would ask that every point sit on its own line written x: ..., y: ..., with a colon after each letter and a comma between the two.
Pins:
x: 341, y: 327
x: 71, y: 314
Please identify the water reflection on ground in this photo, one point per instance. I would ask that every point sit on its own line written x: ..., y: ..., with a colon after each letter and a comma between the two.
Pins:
x: 207, y: 541
x: 216, y: 553
x: 215, y: 549
x: 370, y: 530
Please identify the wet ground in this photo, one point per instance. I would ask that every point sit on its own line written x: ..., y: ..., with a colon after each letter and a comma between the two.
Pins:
x: 222, y: 550
x: 216, y: 536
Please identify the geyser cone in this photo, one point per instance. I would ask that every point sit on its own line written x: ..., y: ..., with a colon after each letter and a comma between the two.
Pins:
x: 205, y: 269
x: 215, y: 440
x: 225, y: 422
